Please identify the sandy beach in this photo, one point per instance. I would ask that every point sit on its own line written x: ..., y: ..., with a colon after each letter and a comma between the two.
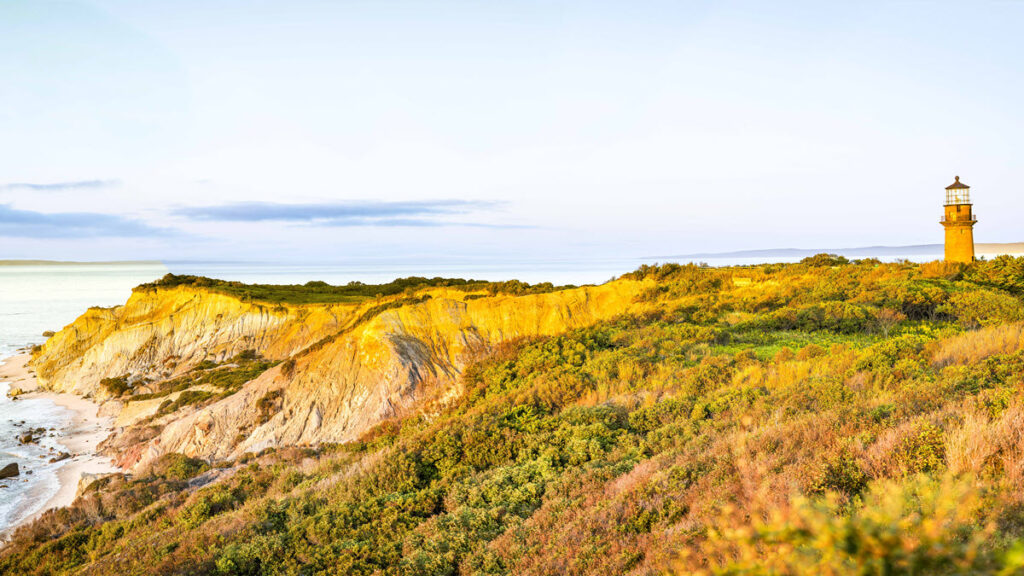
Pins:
x: 80, y: 439
x: 15, y: 371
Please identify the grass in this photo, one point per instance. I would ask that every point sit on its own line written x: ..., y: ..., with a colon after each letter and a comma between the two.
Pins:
x: 976, y: 345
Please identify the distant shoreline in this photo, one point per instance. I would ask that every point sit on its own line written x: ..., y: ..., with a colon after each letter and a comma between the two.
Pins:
x: 986, y: 249
x: 982, y: 249
x: 74, y: 263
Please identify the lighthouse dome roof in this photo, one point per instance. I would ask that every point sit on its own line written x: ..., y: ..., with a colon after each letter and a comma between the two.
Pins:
x: 958, y: 185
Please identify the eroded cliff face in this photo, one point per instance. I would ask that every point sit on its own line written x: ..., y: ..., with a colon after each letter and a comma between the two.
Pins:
x: 159, y: 333
x: 349, y: 367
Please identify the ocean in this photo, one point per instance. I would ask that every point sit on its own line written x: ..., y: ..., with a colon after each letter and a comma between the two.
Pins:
x: 34, y: 299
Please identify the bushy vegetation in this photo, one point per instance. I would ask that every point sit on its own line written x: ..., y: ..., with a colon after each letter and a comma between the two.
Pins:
x: 227, y: 377
x: 317, y: 292
x: 826, y: 417
x: 116, y: 386
x: 207, y: 382
x: 178, y: 467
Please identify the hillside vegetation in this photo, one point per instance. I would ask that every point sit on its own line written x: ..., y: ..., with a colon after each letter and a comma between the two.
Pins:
x: 827, y: 417
x: 323, y: 293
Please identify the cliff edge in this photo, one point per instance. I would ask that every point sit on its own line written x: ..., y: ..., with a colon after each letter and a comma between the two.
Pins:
x: 164, y: 362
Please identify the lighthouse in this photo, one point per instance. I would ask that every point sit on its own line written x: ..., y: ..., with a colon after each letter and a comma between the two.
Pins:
x: 959, y: 220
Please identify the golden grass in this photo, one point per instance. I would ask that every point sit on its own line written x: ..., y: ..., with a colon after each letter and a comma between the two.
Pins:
x: 981, y: 445
x: 980, y: 344
x: 970, y: 446
x: 942, y: 269
x: 1009, y: 433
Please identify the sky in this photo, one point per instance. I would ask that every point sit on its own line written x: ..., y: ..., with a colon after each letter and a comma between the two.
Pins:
x: 329, y: 131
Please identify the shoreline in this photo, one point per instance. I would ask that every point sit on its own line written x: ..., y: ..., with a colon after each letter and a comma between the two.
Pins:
x: 80, y: 438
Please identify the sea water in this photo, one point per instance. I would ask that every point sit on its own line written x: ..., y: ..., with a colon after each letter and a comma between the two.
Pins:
x: 34, y: 299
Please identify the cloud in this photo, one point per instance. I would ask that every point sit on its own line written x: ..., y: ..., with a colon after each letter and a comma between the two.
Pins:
x: 417, y: 223
x: 30, y: 224
x: 59, y: 186
x: 352, y: 213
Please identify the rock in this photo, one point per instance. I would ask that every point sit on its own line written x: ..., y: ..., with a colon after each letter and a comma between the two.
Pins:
x: 217, y: 474
x: 59, y: 457
x: 15, y: 392
x: 9, y: 471
x: 32, y: 436
x: 89, y: 478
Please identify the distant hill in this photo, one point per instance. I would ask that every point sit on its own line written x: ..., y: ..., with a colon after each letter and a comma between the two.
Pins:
x: 982, y: 249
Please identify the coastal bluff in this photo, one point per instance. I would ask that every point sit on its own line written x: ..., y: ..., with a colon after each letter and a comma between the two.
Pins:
x: 334, y: 369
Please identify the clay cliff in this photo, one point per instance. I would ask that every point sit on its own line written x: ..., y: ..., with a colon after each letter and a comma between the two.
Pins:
x: 342, y: 368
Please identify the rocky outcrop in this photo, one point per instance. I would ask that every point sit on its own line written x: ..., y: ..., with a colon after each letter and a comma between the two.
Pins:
x: 87, y: 479
x: 350, y: 366
x: 9, y: 471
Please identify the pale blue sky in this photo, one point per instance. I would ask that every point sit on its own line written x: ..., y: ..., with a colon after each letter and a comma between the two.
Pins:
x: 332, y: 130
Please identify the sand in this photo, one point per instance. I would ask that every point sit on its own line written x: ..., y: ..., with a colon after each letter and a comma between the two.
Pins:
x: 86, y: 432
x: 80, y: 439
x: 15, y: 370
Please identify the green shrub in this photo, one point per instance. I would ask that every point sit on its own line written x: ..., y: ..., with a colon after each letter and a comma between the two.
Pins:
x: 176, y: 466
x: 976, y: 308
x: 268, y: 405
x: 883, y: 356
x: 664, y: 412
x: 924, y: 450
x: 288, y: 367
x: 839, y: 317
x: 185, y: 398
x: 823, y: 259
x: 840, y: 473
x: 247, y: 355
x: 1004, y: 272
x: 207, y: 503
x: 116, y: 387
x: 206, y: 365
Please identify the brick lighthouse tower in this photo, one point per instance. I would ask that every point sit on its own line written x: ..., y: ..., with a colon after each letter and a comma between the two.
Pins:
x: 959, y: 221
